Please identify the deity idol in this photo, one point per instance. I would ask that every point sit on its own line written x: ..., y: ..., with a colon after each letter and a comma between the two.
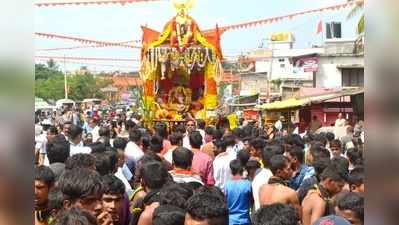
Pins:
x: 183, y: 26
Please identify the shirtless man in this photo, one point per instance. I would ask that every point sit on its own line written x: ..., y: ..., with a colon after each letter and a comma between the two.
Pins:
x: 318, y: 201
x: 277, y: 190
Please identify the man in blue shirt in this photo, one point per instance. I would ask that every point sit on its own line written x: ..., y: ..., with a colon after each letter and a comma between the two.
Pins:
x: 239, y: 195
x: 302, y: 171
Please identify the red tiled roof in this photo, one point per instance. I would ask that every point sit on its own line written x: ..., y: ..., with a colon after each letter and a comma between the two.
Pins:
x: 125, y: 81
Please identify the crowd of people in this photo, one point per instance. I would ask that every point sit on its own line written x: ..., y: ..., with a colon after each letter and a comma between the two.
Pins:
x: 110, y: 169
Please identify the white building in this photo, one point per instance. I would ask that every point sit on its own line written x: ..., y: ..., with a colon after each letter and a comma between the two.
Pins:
x: 340, y: 65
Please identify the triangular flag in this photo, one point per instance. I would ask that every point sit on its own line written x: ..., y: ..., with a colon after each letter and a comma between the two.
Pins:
x: 319, y: 27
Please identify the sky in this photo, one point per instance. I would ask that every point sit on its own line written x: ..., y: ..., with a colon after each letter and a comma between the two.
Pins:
x: 117, y: 23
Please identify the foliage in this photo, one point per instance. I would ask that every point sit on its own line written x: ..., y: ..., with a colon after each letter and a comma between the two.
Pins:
x: 49, y: 84
x: 359, y: 7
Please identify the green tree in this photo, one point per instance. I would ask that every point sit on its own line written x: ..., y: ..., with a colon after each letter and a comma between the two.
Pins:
x: 358, y: 8
x: 49, y: 84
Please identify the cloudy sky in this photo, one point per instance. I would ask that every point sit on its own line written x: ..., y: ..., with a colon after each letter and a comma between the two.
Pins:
x: 117, y: 23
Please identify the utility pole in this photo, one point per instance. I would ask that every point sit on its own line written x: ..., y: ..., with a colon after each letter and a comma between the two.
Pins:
x: 65, y: 80
x: 269, y: 75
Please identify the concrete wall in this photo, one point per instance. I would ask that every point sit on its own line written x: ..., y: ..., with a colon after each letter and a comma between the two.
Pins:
x: 279, y: 72
x: 329, y: 75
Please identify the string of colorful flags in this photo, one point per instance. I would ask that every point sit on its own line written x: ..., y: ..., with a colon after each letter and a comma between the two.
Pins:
x: 223, y: 28
x: 84, y: 3
x: 280, y: 18
x: 85, y: 58
x: 81, y: 46
x: 87, y: 63
x: 86, y: 41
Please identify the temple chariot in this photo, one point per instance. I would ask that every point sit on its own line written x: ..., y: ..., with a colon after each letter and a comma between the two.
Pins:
x: 180, y: 67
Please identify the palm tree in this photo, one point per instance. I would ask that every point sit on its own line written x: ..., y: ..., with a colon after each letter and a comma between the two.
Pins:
x: 359, y: 7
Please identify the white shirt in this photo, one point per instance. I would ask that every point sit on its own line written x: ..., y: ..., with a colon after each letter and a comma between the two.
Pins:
x: 169, y: 155
x: 221, y: 167
x: 126, y: 172
x: 262, y: 177
x: 133, y: 152
x: 119, y: 174
x: 278, y: 125
x: 340, y: 122
x: 78, y: 148
x: 94, y: 133
x: 186, y: 141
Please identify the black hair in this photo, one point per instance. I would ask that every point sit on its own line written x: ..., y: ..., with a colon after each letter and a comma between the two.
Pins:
x: 103, y: 163
x: 278, y: 162
x: 161, y: 129
x: 112, y: 185
x: 156, y: 144
x: 355, y: 156
x: 145, y: 142
x: 353, y: 202
x: 210, y: 131
x: 120, y: 143
x: 80, y: 161
x: 182, y: 157
x: 252, y: 165
x: 168, y: 215
x: 129, y: 125
x: 52, y: 130
x: 218, y: 134
x: 58, y: 150
x: 238, y: 132
x: 320, y: 165
x: 135, y: 135
x: 356, y: 176
x: 333, y: 172
x: 229, y: 140
x: 341, y: 162
x: 175, y: 194
x: 276, y: 214
x: 65, y: 123
x: 243, y: 156
x: 236, y: 167
x: 154, y: 175
x: 75, y: 216
x: 276, y: 148
x: 207, y: 206
x: 97, y: 147
x: 320, y: 138
x: 257, y: 143
x: 330, y: 136
x: 201, y: 124
x: 266, y: 154
x: 44, y: 174
x: 319, y: 151
x: 75, y: 131
x: 79, y: 183
x: 104, y: 132
x: 175, y: 138
x: 180, y: 128
x: 55, y: 199
x: 195, y: 139
x: 336, y: 143
x: 297, y: 152
x: 213, y: 190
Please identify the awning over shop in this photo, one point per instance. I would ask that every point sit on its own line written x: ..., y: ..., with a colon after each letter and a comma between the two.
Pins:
x: 285, y: 104
x: 300, y: 102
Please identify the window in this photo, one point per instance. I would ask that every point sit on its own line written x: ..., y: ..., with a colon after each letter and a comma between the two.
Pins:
x: 353, y: 77
x: 281, y: 60
x: 282, y: 65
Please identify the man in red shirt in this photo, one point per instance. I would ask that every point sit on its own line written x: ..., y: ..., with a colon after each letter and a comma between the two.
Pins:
x: 202, y: 162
